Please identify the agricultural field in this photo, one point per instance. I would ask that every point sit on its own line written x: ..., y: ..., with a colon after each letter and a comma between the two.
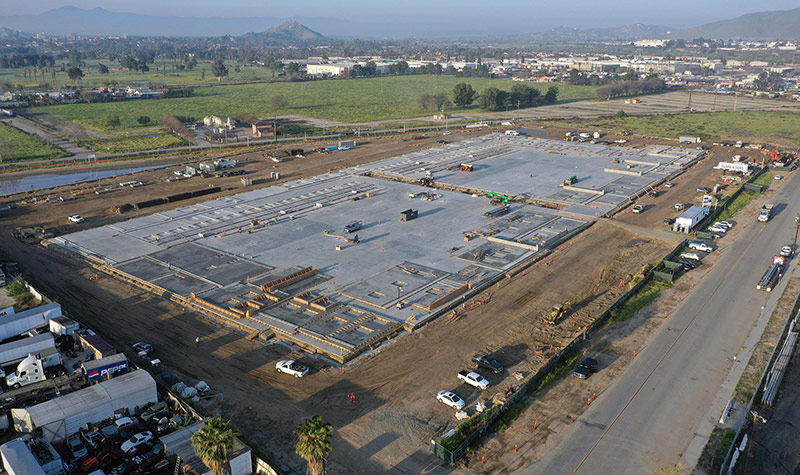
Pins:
x: 132, y: 141
x: 119, y: 76
x: 748, y: 125
x: 348, y: 101
x: 16, y: 146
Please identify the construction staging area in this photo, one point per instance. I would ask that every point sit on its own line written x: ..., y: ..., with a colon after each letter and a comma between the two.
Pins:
x: 342, y: 261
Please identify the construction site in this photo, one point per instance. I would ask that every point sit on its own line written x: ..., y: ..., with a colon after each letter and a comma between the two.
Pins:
x: 339, y: 263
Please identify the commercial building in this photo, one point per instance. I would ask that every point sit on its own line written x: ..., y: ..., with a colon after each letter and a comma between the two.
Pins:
x: 30, y: 456
x: 65, y: 415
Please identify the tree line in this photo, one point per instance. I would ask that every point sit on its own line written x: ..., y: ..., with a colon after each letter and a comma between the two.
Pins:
x: 521, y: 96
x: 630, y: 87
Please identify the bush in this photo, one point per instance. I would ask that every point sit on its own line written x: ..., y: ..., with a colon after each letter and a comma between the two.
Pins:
x: 143, y: 120
x: 620, y: 114
x: 17, y: 287
x: 113, y: 120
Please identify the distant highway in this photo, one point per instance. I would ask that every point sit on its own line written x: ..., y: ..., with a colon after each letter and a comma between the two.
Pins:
x: 646, y: 420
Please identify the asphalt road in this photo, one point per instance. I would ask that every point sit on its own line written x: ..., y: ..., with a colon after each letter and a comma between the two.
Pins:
x: 647, y: 419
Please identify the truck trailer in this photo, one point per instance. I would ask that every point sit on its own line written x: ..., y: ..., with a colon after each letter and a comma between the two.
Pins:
x: 774, y: 272
x: 35, y: 368
x: 105, y: 368
x: 42, y: 345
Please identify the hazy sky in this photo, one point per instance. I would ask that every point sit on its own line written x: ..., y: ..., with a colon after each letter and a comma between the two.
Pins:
x: 537, y: 14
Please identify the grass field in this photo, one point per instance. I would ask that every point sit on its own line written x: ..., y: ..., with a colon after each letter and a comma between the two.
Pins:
x: 780, y: 125
x: 354, y: 100
x: 132, y: 141
x: 119, y: 76
x: 16, y: 146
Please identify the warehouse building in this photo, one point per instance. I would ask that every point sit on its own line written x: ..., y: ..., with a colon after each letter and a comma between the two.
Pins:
x: 62, y: 416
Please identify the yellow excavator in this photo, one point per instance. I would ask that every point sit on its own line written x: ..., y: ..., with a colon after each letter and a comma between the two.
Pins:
x: 557, y: 312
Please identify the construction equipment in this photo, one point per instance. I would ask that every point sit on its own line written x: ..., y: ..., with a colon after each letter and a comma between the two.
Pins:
x: 557, y: 312
x: 570, y: 181
x: 465, y: 167
x: 498, y: 195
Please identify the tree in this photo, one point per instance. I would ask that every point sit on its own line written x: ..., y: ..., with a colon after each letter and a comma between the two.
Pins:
x: 75, y: 74
x: 293, y: 69
x: 492, y: 98
x: 213, y: 442
x: 463, y: 94
x: 219, y: 69
x: 113, y: 120
x: 102, y: 68
x: 551, y: 96
x: 278, y: 101
x: 620, y: 114
x: 314, y: 443
x: 425, y: 101
x: 143, y: 120
x: 357, y: 70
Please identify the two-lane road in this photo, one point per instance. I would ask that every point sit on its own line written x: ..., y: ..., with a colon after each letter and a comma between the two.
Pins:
x: 646, y: 420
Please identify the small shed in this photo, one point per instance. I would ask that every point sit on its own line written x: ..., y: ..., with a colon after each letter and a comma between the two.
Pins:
x: 409, y: 214
x: 689, y: 219
x: 30, y: 456
x: 96, y: 344
x: 180, y: 443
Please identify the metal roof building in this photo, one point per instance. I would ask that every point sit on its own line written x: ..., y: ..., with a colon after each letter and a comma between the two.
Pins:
x: 64, y: 415
x: 19, y: 323
x: 180, y: 443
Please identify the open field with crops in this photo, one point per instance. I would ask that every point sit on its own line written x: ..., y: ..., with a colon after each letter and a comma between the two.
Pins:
x: 782, y: 126
x: 17, y: 146
x: 349, y: 101
x: 132, y: 141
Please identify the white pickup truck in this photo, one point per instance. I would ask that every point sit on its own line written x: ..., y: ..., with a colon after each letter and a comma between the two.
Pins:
x: 291, y: 367
x: 473, y: 379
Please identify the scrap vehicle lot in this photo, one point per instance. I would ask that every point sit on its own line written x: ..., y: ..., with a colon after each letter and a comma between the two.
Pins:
x: 395, y: 412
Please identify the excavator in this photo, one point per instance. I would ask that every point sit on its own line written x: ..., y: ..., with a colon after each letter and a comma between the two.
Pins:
x: 557, y: 312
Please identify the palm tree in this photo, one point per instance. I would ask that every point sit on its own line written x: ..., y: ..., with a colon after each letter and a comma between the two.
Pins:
x: 213, y: 442
x: 314, y: 443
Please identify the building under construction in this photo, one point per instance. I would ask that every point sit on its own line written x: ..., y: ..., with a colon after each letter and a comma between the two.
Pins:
x: 289, y: 259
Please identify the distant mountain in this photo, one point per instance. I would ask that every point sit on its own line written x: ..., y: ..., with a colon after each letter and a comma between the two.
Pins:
x: 621, y: 33
x: 293, y: 31
x: 98, y: 21
x: 774, y: 25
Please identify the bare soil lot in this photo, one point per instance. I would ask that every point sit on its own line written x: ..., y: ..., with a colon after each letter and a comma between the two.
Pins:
x: 395, y: 412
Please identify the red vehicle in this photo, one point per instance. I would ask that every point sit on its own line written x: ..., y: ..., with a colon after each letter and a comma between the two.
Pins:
x: 101, y: 461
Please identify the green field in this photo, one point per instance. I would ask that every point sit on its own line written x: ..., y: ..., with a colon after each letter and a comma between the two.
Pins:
x: 16, y: 146
x: 353, y: 100
x: 132, y: 141
x: 784, y: 126
x: 119, y: 76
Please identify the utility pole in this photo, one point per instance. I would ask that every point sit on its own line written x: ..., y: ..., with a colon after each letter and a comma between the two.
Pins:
x: 796, y: 228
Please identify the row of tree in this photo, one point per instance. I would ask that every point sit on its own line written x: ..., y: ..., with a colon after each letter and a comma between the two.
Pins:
x: 628, y: 88
x: 521, y: 96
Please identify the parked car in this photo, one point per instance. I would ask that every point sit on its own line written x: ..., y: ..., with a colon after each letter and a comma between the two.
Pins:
x: 76, y: 447
x: 727, y: 224
x: 653, y: 193
x: 703, y: 189
x: 142, y: 347
x: 451, y: 399
x: 291, y: 367
x: 473, y: 379
x: 715, y: 228
x: 76, y: 218
x: 101, y: 461
x: 638, y: 208
x: 688, y: 264
x: 786, y: 251
x: 585, y: 368
x: 699, y: 246
x: 669, y: 221
x: 93, y: 439
x: 124, y: 422
x: 483, y: 361
x: 136, y: 440
x: 679, y: 206
x: 669, y: 184
x: 690, y: 255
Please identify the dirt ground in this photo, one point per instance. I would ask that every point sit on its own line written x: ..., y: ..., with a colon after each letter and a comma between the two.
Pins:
x: 395, y: 413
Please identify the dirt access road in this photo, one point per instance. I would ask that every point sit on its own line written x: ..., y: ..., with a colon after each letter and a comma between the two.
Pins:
x: 395, y: 413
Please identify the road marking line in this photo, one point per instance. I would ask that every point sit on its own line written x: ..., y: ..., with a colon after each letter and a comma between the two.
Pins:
x: 669, y: 350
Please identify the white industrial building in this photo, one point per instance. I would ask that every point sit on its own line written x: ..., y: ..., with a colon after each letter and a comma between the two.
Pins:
x: 180, y: 443
x: 329, y: 69
x: 62, y: 416
x: 690, y: 218
x: 19, y: 323
x: 30, y: 456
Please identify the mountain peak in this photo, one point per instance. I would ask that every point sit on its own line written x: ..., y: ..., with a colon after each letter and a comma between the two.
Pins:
x: 292, y: 30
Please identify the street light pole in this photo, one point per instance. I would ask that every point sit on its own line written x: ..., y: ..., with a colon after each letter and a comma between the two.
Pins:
x: 796, y: 228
